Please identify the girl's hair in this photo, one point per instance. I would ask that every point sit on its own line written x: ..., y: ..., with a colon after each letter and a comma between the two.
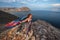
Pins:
x: 29, y: 15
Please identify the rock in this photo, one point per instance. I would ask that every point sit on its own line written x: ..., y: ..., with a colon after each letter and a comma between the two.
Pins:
x: 45, y: 31
x: 6, y: 17
x: 24, y: 9
x: 15, y: 9
x: 38, y: 30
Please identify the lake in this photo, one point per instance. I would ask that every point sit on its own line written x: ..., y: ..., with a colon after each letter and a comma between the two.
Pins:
x: 49, y: 16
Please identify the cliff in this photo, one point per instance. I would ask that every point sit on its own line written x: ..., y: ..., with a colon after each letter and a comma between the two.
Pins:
x: 23, y: 9
x: 38, y: 30
x: 15, y: 9
x: 6, y: 17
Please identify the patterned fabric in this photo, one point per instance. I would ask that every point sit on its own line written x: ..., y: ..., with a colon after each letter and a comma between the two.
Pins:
x: 23, y: 18
x: 15, y: 22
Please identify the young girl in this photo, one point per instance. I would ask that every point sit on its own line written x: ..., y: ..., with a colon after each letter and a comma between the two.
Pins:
x: 18, y: 21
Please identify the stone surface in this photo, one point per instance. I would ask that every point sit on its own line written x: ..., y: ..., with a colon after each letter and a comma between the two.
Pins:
x: 15, y: 9
x: 6, y: 17
x: 38, y: 30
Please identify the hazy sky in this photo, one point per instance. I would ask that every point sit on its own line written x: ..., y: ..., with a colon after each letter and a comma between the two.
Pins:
x: 53, y: 5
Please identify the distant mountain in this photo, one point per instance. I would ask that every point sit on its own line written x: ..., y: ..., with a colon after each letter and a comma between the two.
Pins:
x: 15, y: 9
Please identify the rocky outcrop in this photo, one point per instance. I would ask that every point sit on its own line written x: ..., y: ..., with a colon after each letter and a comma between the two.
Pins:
x: 15, y: 9
x: 38, y: 30
x: 23, y: 9
x: 6, y: 17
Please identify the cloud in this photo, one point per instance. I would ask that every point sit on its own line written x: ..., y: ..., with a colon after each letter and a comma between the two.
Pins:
x: 45, y: 0
x: 40, y: 6
x: 23, y: 2
x: 27, y: 1
x: 31, y: 0
x: 8, y: 1
x: 36, y: 4
x: 55, y: 5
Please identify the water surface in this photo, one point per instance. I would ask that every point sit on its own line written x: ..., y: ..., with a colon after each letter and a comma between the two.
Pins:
x: 49, y: 16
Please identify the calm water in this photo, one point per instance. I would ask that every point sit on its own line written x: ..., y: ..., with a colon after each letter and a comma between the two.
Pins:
x: 49, y: 16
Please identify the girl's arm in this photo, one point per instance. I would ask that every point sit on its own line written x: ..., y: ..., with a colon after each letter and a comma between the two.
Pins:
x: 25, y: 20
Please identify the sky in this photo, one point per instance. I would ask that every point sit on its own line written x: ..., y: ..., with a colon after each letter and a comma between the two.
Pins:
x: 53, y: 5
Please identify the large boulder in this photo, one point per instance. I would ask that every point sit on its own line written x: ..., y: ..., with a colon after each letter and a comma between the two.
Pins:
x: 6, y: 17
x: 38, y: 30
